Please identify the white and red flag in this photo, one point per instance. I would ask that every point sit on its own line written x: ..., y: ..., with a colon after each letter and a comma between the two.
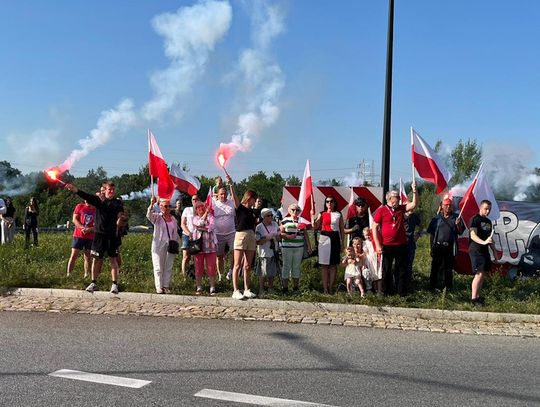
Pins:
x: 305, y: 199
x: 209, y: 203
x: 184, y: 181
x: 158, y: 168
x: 351, y: 210
x: 402, y: 194
x: 478, y: 191
x: 429, y: 165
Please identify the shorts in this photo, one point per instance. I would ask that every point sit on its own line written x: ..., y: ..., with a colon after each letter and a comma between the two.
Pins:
x: 481, y: 262
x: 225, y: 243
x: 245, y: 240
x: 105, y: 245
x: 80, y: 243
x: 266, y: 267
x: 185, y: 242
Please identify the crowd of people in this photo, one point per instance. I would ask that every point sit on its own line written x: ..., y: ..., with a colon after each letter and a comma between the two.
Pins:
x: 377, y: 253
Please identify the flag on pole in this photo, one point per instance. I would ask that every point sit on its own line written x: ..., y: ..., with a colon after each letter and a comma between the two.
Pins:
x: 306, y: 193
x: 351, y: 211
x: 402, y: 194
x: 429, y: 165
x: 184, y: 181
x: 478, y: 191
x: 158, y: 168
x: 209, y: 203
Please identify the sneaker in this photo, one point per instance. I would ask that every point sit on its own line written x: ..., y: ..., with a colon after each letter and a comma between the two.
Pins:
x: 229, y: 275
x: 159, y: 291
x: 249, y: 294
x: 199, y: 291
x: 166, y: 290
x: 114, y: 289
x: 237, y: 295
x: 212, y: 291
x: 92, y: 287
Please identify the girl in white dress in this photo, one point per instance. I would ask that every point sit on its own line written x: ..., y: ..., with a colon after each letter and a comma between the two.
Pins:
x: 372, y: 273
x: 354, y: 262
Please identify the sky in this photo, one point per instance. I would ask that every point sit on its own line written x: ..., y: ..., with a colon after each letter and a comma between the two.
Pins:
x: 283, y: 81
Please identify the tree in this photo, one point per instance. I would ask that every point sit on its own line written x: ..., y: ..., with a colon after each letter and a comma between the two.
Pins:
x: 466, y: 159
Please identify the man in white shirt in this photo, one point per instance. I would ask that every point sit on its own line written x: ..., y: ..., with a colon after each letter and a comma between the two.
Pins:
x: 186, y: 223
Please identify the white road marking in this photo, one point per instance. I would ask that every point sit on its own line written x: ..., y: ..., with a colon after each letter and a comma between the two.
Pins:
x: 100, y: 378
x: 251, y: 399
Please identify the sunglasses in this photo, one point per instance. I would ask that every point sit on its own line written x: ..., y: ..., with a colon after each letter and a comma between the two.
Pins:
x: 330, y: 201
x: 165, y: 206
x: 268, y: 216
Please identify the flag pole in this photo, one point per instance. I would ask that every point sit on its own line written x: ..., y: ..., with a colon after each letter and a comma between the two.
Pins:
x: 152, y: 185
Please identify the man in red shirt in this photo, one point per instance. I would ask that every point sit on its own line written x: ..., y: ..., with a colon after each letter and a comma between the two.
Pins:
x: 83, y: 220
x: 389, y: 225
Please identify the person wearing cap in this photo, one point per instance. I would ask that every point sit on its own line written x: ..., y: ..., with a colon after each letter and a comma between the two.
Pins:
x: 293, y: 238
x: 389, y: 222
x: 267, y: 234
x: 356, y: 224
x: 443, y: 236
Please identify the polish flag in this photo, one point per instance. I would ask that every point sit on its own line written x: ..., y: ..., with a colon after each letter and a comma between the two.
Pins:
x: 158, y: 168
x: 402, y: 194
x: 351, y: 211
x: 184, y: 181
x: 209, y: 203
x: 429, y: 165
x: 476, y: 193
x: 306, y: 194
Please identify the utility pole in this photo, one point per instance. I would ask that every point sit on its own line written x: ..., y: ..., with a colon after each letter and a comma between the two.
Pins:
x: 385, y: 168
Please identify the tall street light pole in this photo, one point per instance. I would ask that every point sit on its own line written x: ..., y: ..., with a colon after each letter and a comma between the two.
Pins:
x: 385, y: 171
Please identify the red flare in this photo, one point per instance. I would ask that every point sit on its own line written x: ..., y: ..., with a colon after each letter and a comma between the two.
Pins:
x: 52, y: 174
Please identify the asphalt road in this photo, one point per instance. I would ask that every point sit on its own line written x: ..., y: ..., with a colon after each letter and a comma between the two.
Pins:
x: 337, y: 366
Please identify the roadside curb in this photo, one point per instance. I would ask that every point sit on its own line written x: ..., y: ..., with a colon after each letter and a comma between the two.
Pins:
x: 419, y: 313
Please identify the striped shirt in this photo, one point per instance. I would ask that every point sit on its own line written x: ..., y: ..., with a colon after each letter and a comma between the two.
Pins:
x: 291, y: 227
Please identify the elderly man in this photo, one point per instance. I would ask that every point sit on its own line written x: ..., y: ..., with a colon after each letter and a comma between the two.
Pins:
x: 356, y: 224
x: 443, y: 230
x: 389, y: 221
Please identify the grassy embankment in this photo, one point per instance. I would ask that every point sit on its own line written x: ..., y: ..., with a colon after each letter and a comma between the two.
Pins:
x: 45, y: 266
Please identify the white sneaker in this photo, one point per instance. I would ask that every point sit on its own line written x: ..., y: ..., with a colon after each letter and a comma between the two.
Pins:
x: 114, y: 289
x: 158, y: 291
x: 229, y: 275
x: 237, y: 295
x: 92, y: 287
x: 249, y: 294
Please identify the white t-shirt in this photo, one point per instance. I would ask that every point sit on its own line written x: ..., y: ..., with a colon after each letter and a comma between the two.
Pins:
x: 261, y: 231
x: 224, y: 216
x: 188, y: 214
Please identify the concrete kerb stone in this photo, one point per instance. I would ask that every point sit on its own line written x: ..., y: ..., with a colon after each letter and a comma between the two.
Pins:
x: 428, y: 314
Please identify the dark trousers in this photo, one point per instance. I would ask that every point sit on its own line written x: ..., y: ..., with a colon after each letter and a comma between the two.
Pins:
x: 396, y: 277
x: 33, y: 230
x: 411, y: 247
x: 442, y: 264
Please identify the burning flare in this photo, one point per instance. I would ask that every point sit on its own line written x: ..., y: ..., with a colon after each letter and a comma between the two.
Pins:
x: 52, y: 174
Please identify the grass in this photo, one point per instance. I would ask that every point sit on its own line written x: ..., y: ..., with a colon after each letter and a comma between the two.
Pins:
x: 45, y: 266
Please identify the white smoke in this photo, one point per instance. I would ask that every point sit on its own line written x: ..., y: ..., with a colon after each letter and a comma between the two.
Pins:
x: 262, y: 78
x: 353, y: 180
x: 190, y: 35
x: 146, y: 194
x: 110, y: 122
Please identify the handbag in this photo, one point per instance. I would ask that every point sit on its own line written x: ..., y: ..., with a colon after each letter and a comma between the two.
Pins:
x: 172, y: 247
x: 194, y: 245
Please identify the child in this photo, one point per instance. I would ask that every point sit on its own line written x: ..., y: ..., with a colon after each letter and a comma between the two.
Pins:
x: 372, y: 273
x: 355, y: 261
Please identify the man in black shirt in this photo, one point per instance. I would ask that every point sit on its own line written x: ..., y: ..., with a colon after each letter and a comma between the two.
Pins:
x: 107, y: 238
x: 355, y: 225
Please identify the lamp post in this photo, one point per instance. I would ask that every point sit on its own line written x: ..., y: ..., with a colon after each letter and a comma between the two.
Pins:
x: 385, y: 170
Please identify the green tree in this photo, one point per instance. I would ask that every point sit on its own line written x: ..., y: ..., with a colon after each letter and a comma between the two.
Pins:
x: 466, y: 158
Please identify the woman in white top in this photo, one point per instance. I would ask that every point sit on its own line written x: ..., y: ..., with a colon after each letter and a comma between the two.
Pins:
x: 165, y: 229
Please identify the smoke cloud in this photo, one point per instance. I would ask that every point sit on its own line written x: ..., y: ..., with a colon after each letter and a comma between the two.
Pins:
x: 262, y: 78
x: 190, y: 35
x: 353, y: 180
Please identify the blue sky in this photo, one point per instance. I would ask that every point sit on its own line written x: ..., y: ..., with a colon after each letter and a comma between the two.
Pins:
x: 462, y: 69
